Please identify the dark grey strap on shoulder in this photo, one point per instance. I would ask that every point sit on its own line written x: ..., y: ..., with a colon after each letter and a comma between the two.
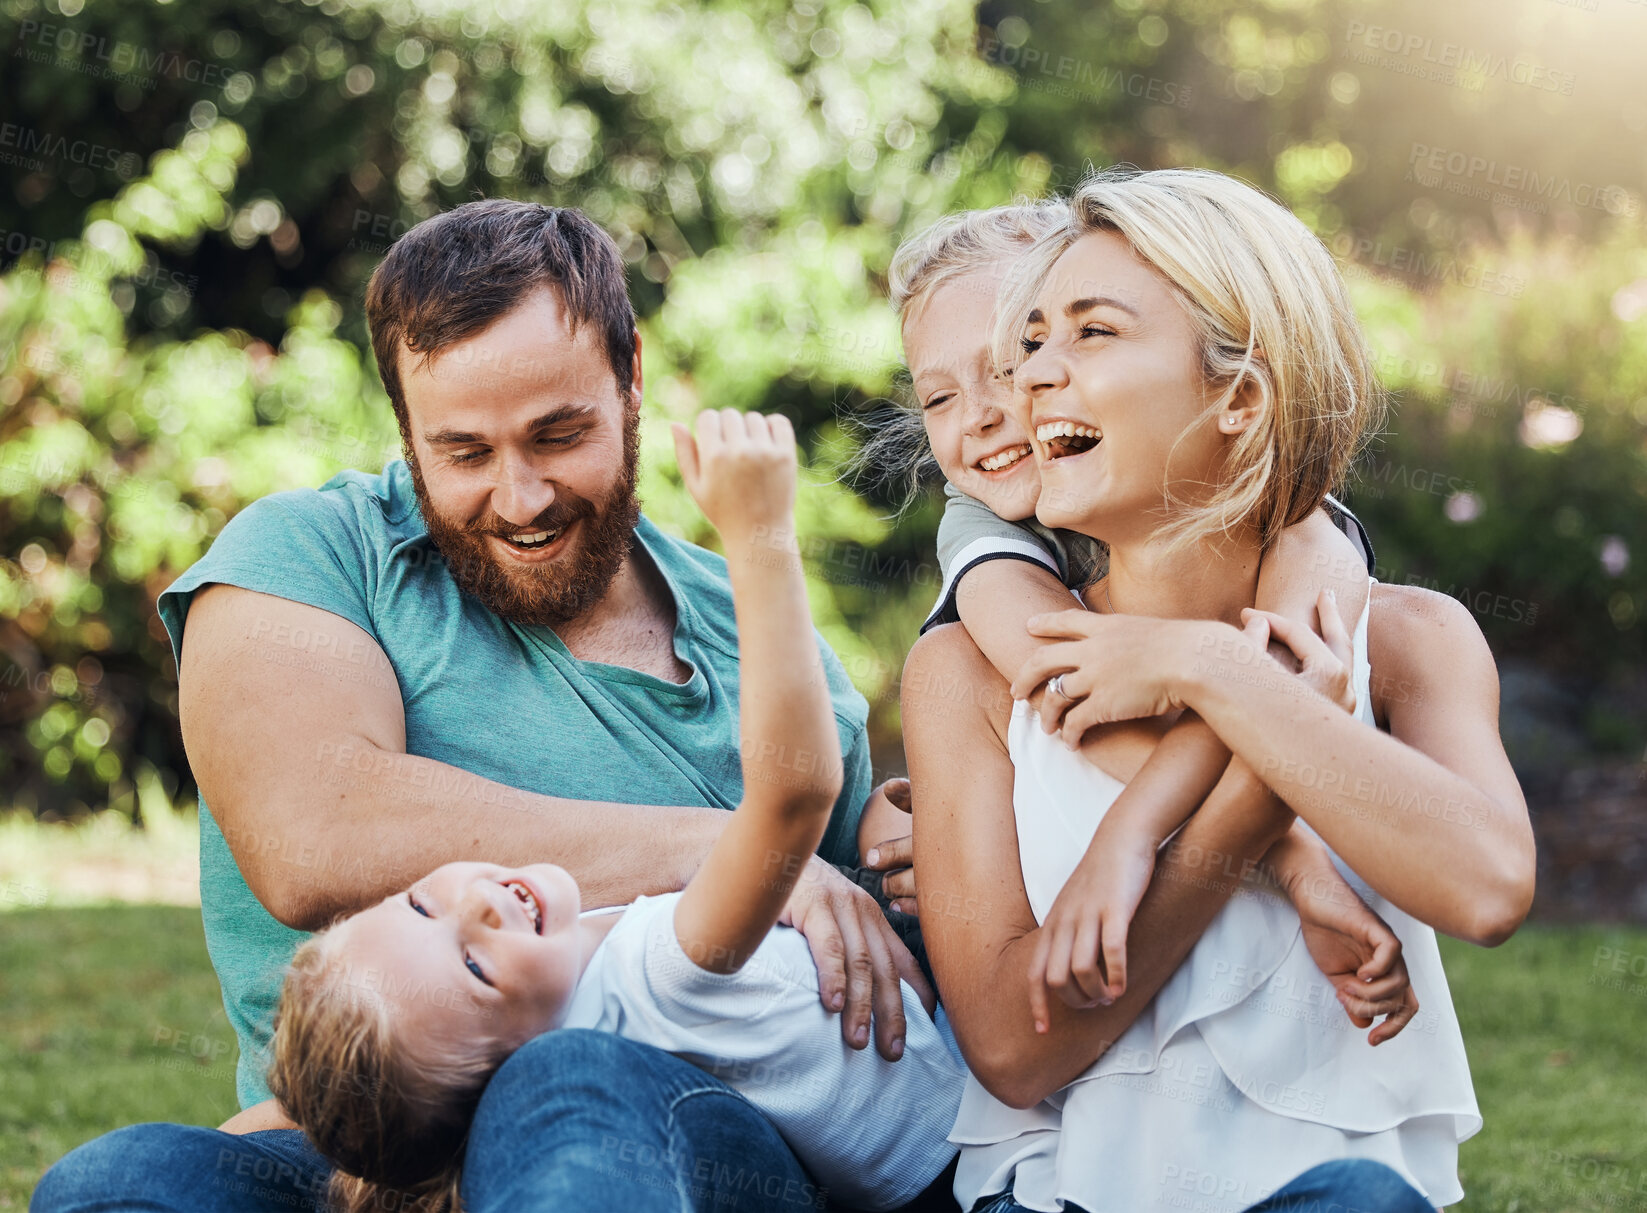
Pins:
x: 1353, y: 529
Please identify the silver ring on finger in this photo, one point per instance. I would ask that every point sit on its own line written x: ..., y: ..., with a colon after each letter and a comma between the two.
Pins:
x: 1056, y: 685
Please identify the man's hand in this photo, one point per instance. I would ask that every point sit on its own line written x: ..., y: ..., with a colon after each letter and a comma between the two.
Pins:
x: 887, y: 844
x: 860, y: 958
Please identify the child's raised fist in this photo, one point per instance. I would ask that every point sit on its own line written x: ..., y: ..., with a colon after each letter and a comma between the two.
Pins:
x: 741, y: 470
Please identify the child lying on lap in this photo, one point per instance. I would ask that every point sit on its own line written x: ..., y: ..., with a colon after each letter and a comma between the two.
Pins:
x: 393, y: 1020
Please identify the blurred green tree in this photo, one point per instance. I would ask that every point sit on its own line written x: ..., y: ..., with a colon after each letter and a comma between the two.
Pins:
x: 199, y: 193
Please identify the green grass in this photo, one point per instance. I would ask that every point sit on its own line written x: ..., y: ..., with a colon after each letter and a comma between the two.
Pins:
x: 108, y: 1016
x: 111, y: 1015
x: 1559, y: 1057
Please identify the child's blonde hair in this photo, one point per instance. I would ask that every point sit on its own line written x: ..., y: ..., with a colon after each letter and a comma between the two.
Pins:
x: 1269, y: 308
x: 966, y: 241
x: 392, y: 1119
x: 896, y: 452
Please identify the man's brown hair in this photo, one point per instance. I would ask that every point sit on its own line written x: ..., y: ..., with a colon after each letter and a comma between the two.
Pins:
x: 452, y: 276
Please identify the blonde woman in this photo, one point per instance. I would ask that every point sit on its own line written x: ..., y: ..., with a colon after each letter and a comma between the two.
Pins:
x: 1203, y: 335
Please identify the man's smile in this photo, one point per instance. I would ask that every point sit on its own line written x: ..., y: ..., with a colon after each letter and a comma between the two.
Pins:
x: 533, y: 547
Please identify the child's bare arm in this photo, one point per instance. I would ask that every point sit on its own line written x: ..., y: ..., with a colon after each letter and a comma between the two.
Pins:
x: 1179, y: 774
x: 1306, y: 558
x: 995, y: 602
x: 997, y: 599
x: 1094, y: 910
x: 741, y: 470
x: 1083, y: 959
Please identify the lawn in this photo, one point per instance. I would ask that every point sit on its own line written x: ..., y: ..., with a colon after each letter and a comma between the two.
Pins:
x: 110, y: 1015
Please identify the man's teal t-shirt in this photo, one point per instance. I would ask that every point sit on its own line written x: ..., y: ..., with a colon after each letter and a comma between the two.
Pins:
x: 504, y: 701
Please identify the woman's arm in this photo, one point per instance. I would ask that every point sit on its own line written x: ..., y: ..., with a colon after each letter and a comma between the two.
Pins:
x: 741, y: 470
x: 976, y: 918
x: 1430, y: 814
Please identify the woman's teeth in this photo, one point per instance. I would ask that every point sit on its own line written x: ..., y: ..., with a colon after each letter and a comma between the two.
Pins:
x: 1066, y: 438
x: 1064, y: 429
x: 533, y: 539
x: 529, y: 901
x: 1004, y: 459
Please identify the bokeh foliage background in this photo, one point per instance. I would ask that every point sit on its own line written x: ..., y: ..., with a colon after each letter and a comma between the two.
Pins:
x: 197, y: 192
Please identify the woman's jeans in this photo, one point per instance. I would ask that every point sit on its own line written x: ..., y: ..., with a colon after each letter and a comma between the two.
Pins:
x: 1351, y: 1185
x: 574, y: 1120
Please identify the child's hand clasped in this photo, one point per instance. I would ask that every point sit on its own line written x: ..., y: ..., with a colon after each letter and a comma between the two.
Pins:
x: 1358, y: 953
x: 1324, y: 661
x: 741, y: 470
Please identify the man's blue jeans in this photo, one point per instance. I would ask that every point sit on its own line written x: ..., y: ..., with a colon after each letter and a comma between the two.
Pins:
x: 1350, y: 1185
x: 576, y: 1120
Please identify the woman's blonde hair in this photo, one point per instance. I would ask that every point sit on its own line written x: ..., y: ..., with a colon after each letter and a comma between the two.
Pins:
x: 1268, y: 307
x: 393, y: 1120
x: 895, y: 450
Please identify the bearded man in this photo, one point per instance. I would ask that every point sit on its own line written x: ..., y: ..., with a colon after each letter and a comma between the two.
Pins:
x: 485, y: 652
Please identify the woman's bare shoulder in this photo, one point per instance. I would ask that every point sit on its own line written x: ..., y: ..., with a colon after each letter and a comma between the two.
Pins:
x: 946, y: 672
x: 1410, y: 612
x: 1421, y: 643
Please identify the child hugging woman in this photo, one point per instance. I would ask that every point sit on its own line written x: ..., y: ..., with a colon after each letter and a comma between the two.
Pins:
x: 1192, y: 849
x: 1001, y: 567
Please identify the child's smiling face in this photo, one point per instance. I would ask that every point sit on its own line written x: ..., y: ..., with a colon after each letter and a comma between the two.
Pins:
x: 472, y: 950
x: 981, y: 447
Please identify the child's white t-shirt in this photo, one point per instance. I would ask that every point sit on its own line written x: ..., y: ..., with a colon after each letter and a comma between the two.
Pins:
x: 873, y: 1133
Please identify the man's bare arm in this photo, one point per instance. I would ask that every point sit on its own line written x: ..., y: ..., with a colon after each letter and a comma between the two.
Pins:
x: 306, y: 761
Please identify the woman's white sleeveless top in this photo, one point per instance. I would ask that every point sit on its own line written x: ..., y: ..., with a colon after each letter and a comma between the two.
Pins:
x: 1244, y: 1071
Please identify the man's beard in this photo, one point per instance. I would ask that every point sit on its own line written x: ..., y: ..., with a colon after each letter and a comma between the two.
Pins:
x: 552, y: 593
